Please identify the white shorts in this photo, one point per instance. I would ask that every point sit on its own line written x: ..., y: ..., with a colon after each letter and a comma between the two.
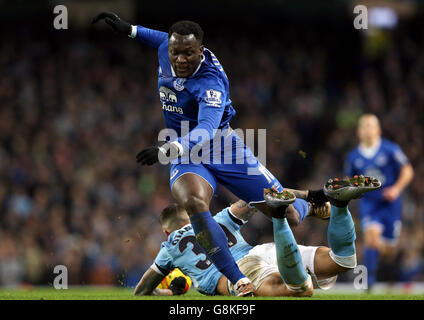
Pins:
x: 261, y: 261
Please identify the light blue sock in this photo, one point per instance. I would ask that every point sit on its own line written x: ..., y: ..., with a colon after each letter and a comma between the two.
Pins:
x: 289, y: 259
x: 341, y: 232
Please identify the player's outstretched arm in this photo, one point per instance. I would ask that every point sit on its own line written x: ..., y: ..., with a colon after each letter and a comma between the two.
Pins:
x: 405, y: 177
x: 150, y: 37
x: 114, y: 21
x: 148, y: 283
x: 241, y: 210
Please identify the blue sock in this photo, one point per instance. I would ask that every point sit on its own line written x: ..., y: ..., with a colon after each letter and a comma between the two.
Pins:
x: 370, y: 260
x: 341, y: 232
x: 302, y: 206
x: 289, y: 259
x: 214, y: 241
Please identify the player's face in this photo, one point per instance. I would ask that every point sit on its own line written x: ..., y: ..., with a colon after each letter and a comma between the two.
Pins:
x: 185, y: 54
x: 369, y: 129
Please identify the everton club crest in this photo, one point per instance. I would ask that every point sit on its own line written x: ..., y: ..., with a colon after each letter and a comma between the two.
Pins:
x: 179, y: 84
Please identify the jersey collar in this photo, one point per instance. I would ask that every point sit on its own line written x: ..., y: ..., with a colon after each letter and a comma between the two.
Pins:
x: 173, y: 232
x: 195, y: 71
x: 369, y: 152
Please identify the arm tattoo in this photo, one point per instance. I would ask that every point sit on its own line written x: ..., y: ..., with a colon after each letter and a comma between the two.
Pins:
x: 242, y: 210
x: 247, y: 215
x: 241, y: 204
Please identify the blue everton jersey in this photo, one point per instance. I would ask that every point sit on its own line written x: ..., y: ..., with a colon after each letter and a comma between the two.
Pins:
x: 202, y: 100
x: 182, y: 251
x: 384, y: 163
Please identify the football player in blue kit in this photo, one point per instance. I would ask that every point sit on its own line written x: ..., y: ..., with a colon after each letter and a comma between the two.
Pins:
x: 281, y: 268
x: 194, y: 92
x: 379, y: 212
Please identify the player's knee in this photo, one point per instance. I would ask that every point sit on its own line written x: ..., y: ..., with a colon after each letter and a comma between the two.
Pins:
x: 372, y: 242
x: 372, y: 238
x: 195, y: 204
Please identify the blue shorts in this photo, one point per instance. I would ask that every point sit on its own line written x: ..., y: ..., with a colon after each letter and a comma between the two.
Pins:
x: 383, y: 215
x: 246, y: 179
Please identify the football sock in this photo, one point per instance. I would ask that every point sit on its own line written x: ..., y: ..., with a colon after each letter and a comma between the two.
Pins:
x: 289, y: 259
x: 341, y: 232
x: 370, y: 259
x: 214, y: 241
x: 302, y: 207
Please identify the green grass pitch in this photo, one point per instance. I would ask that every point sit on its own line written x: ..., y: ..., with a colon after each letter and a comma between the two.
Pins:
x: 87, y: 293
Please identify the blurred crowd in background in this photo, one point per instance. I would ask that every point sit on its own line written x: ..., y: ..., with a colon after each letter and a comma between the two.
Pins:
x: 74, y: 112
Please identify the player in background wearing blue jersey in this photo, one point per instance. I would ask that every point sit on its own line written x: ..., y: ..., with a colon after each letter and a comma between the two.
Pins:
x: 194, y: 90
x: 379, y: 212
x: 271, y: 266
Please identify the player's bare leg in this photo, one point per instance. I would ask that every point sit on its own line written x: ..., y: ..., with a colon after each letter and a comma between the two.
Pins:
x: 274, y: 286
x: 372, y: 237
x: 194, y: 194
x: 324, y: 266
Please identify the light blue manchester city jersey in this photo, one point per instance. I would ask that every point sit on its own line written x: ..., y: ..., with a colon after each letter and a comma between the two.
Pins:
x: 182, y: 251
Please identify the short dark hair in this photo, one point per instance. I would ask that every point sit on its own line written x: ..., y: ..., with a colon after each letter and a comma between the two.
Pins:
x: 171, y: 214
x: 186, y: 27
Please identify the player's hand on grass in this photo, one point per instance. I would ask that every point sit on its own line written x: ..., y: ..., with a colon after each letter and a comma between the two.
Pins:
x: 114, y: 21
x: 178, y: 286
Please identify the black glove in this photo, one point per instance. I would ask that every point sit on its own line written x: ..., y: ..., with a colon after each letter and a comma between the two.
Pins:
x: 316, y: 197
x: 178, y: 286
x: 114, y: 21
x: 150, y: 155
